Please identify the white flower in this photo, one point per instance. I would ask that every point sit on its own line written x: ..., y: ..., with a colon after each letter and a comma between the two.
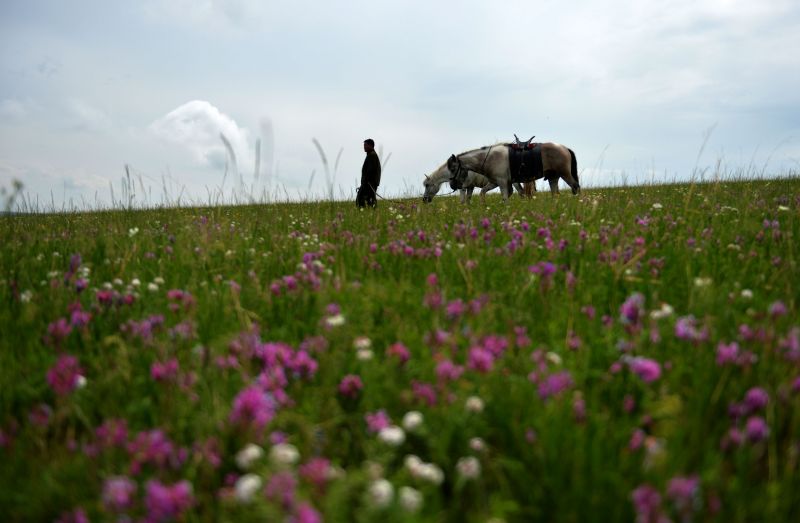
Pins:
x: 133, y: 231
x: 158, y: 280
x: 117, y: 282
x: 364, y: 354
x: 392, y: 435
x: 25, y: 296
x: 107, y: 286
x: 336, y: 320
x: 657, y: 206
x: 665, y: 311
x: 474, y: 404
x: 431, y: 473
x: 783, y: 208
x: 469, y: 467
x: 152, y: 287
x: 135, y: 282
x: 412, y: 420
x: 246, y: 487
x: 747, y: 294
x: 702, y: 281
x: 284, y: 454
x: 80, y: 381
x: 248, y: 455
x: 381, y: 493
x: 554, y: 358
x: 362, y: 342
x: 477, y: 444
x: 410, y: 499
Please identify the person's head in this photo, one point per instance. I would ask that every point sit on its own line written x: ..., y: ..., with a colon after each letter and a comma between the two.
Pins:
x: 369, y: 145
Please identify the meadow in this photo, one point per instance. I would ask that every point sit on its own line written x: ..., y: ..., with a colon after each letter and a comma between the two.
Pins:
x: 629, y: 354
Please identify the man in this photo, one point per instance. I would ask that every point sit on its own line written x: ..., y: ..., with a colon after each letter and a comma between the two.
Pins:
x: 370, y: 176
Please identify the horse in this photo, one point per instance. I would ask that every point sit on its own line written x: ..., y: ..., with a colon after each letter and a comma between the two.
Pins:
x: 434, y: 181
x: 493, y: 161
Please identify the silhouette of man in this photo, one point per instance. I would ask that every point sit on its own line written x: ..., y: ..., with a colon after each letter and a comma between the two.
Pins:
x: 370, y: 176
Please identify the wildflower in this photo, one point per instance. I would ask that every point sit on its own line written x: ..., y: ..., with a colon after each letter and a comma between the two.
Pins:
x: 777, y: 309
x: 316, y: 471
x: 455, y: 309
x: 446, y: 370
x: 632, y: 309
x: 477, y: 444
x: 412, y: 420
x: 362, y: 342
x: 283, y: 455
x: 682, y: 490
x: 364, y: 354
x: 252, y: 407
x: 410, y: 499
x: 376, y: 421
x: 337, y: 320
x: 281, y: 488
x: 555, y: 384
x: 664, y: 311
x: 246, y: 487
x: 747, y: 294
x: 133, y: 231
x: 381, y: 493
x: 474, y: 404
x: 480, y: 360
x: 657, y: 206
x: 152, y: 287
x: 119, y: 493
x: 306, y: 514
x: 686, y: 329
x: 424, y: 392
x: 399, y: 351
x: 64, y: 376
x: 468, y: 467
x: 248, y: 455
x: 702, y: 282
x: 756, y: 429
x: 727, y: 353
x: 647, y: 503
x: 648, y: 370
x: 392, y: 436
x: 164, y: 502
x: 350, y: 386
x: 756, y: 399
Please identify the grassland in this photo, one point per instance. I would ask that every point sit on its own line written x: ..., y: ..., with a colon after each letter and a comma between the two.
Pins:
x: 628, y: 354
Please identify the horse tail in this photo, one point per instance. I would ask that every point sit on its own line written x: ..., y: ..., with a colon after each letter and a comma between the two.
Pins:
x: 574, y: 165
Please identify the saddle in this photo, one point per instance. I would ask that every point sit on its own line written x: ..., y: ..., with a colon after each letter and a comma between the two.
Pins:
x: 525, y: 160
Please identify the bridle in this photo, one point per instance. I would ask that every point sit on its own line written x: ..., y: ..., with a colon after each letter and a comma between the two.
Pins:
x: 462, y: 168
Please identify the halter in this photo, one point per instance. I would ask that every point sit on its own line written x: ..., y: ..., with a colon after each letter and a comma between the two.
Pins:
x: 462, y: 168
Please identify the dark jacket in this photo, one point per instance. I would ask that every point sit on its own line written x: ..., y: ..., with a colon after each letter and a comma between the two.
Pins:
x: 371, y: 171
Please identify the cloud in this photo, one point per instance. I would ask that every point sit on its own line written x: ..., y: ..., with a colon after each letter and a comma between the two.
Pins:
x: 12, y: 109
x: 83, y: 116
x: 217, y: 15
x: 196, y: 127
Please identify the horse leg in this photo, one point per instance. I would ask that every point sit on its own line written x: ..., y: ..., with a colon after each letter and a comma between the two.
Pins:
x: 463, y: 195
x: 469, y: 194
x: 553, y: 184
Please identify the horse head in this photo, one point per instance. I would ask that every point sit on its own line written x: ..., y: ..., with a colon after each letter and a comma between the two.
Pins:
x: 458, y: 173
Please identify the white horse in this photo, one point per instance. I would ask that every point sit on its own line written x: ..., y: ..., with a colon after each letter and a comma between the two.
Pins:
x: 434, y: 181
x: 492, y: 161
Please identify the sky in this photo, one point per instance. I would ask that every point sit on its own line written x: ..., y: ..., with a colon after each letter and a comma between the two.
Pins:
x: 643, y: 92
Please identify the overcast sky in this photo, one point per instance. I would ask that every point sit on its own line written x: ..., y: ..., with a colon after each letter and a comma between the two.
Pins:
x: 635, y: 88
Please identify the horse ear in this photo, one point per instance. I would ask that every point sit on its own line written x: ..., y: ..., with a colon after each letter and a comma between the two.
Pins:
x: 427, y: 177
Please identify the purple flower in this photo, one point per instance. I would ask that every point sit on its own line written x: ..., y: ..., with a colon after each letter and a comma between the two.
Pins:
x: 456, y: 309
x: 648, y: 370
x: 281, y: 488
x: 756, y: 429
x: 252, y: 407
x: 119, y: 493
x: 448, y: 371
x: 424, y: 392
x: 306, y: 514
x: 686, y: 329
x: 756, y: 399
x: 164, y: 371
x: 58, y: 331
x: 647, y: 503
x: 632, y: 310
x: 682, y: 490
x: 377, y: 420
x: 315, y: 471
x: 165, y: 502
x: 727, y: 354
x: 65, y: 375
x: 555, y: 384
x: 350, y: 386
x: 777, y: 309
x: 480, y: 359
x: 399, y: 351
x: 76, y: 516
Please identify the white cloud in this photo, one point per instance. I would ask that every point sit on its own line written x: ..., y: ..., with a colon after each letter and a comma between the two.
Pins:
x: 12, y: 109
x: 85, y: 117
x: 196, y: 127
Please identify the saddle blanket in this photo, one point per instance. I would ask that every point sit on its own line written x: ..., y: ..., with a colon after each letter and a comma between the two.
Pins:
x: 525, y: 164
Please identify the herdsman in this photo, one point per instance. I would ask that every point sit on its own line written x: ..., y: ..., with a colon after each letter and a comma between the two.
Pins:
x: 370, y: 176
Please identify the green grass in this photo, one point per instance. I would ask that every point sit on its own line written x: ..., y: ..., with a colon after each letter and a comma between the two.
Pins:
x: 723, y: 253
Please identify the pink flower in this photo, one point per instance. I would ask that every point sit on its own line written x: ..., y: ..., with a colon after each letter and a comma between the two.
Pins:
x: 119, y: 493
x: 480, y: 360
x: 756, y: 399
x: 632, y: 310
x: 281, y: 488
x: 756, y: 429
x: 399, y: 351
x: 647, y: 503
x: 424, y: 392
x: 164, y: 371
x: 682, y: 491
x: 165, y: 502
x: 555, y: 384
x: 727, y: 354
x: 455, y: 309
x: 64, y: 376
x: 58, y: 331
x: 648, y: 370
x: 350, y: 386
x: 252, y: 407
x: 315, y: 471
x: 448, y: 371
x: 377, y: 420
